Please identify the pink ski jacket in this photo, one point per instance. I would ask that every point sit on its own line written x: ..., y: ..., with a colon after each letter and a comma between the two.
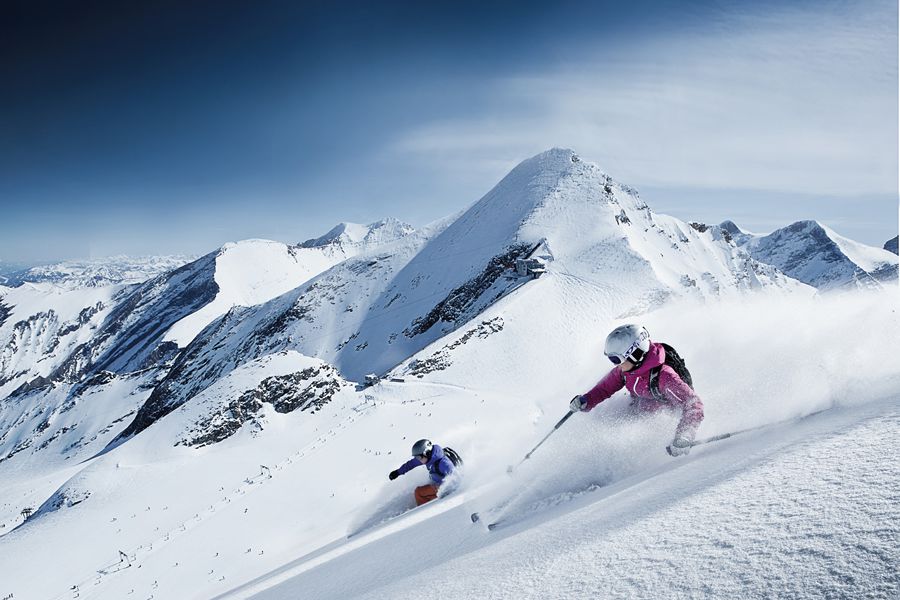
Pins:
x: 677, y: 393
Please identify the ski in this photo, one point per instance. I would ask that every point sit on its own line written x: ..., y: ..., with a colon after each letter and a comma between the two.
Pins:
x: 477, y: 517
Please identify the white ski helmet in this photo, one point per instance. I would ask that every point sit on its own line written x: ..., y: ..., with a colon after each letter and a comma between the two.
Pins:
x: 422, y: 448
x: 627, y: 342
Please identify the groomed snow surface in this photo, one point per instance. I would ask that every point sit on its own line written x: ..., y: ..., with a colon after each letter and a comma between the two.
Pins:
x: 807, y: 510
x: 804, y: 507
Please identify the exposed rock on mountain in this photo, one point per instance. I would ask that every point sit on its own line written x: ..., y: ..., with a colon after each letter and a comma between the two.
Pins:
x: 891, y: 245
x: 129, y: 338
x: 441, y: 359
x: 461, y: 301
x: 4, y: 312
x: 309, y: 389
x: 738, y: 235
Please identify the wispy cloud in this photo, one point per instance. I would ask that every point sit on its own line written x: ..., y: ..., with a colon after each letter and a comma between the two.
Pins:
x: 793, y: 100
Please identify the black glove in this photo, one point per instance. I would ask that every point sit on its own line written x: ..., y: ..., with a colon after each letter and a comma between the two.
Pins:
x: 578, y: 404
x: 393, y: 475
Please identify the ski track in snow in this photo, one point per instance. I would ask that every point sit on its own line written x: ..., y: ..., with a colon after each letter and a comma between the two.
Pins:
x: 808, y: 511
x: 95, y: 582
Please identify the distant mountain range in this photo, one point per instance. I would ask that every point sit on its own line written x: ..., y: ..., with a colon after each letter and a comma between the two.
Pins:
x: 816, y: 255
x: 93, y: 273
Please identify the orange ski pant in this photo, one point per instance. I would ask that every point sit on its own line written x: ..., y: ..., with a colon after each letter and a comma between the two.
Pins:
x: 426, y: 493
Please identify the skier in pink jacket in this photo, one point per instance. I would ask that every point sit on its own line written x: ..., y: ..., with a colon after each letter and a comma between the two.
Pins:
x: 638, y: 360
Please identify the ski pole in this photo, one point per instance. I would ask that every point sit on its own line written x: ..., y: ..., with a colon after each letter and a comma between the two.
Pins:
x: 555, y: 427
x: 723, y: 436
x: 716, y: 438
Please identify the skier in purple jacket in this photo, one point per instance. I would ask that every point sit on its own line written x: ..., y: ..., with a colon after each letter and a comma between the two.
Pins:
x: 635, y: 356
x: 439, y: 468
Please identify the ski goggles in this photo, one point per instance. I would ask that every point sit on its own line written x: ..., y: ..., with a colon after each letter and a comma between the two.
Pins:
x: 616, y: 360
x: 635, y: 355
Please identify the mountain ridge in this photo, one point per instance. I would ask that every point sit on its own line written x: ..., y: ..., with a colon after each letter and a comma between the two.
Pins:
x: 227, y: 397
x: 384, y: 307
x: 815, y: 254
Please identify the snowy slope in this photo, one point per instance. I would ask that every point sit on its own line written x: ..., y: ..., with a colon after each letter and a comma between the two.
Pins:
x: 212, y: 464
x: 778, y: 496
x: 815, y: 254
x: 153, y: 319
x: 254, y: 271
x: 375, y: 311
x: 42, y: 324
x: 777, y: 501
x: 750, y: 519
x: 83, y: 360
x: 244, y: 334
x: 66, y: 335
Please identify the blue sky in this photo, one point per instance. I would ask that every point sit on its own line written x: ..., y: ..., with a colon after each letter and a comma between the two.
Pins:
x: 174, y: 127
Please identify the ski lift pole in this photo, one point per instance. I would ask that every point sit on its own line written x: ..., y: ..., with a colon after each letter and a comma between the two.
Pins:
x: 555, y: 427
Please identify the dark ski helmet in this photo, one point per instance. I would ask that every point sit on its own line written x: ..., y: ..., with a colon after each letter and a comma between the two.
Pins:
x: 627, y: 342
x: 422, y: 448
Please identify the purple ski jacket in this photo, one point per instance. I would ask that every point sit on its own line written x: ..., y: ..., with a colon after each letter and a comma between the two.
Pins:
x: 677, y: 393
x: 439, y: 466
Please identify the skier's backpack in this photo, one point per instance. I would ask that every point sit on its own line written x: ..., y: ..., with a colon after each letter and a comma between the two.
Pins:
x: 674, y: 360
x: 454, y: 456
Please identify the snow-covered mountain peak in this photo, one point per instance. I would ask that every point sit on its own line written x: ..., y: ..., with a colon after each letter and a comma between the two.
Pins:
x: 592, y: 224
x: 866, y: 257
x: 817, y: 255
x: 730, y: 227
x: 738, y: 235
x: 354, y: 234
x: 342, y: 232
x: 501, y: 216
x: 386, y: 231
x: 252, y: 272
x: 554, y: 159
